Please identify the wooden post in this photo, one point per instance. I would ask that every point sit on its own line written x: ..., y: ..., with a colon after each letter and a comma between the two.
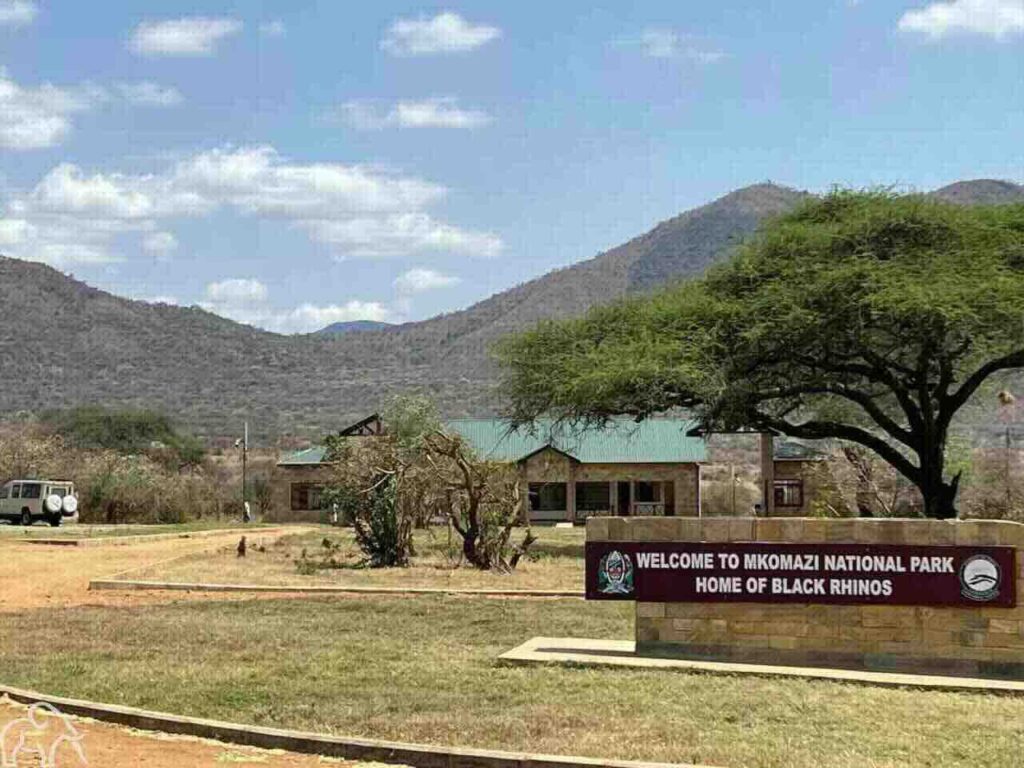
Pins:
x: 570, y: 493
x: 768, y: 473
x: 524, y: 494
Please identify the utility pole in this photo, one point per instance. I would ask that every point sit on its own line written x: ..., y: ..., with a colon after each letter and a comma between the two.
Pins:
x: 243, y: 443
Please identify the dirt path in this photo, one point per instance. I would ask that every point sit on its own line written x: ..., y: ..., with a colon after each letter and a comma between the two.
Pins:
x: 38, y: 576
x: 34, y: 576
x: 111, y: 746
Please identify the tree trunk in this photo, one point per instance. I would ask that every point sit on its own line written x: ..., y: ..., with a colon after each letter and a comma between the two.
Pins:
x: 938, y: 495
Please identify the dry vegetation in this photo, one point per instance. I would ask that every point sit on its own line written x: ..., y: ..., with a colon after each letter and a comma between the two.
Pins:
x: 556, y: 563
x: 118, y: 488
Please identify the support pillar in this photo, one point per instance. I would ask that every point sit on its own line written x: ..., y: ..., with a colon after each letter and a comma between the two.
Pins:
x: 768, y: 473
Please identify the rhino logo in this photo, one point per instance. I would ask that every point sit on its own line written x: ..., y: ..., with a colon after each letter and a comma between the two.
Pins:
x: 36, y: 739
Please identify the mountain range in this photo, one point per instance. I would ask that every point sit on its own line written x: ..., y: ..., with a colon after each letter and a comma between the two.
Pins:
x: 64, y: 343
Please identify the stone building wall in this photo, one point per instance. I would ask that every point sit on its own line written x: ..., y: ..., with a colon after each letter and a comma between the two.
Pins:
x: 549, y: 466
x: 816, y: 484
x: 956, y: 640
x: 281, y: 509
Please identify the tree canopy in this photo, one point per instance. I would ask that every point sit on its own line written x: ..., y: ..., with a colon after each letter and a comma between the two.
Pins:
x: 863, y: 316
x: 125, y: 431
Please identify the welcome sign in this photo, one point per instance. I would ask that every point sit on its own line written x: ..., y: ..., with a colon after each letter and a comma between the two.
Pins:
x: 832, y: 574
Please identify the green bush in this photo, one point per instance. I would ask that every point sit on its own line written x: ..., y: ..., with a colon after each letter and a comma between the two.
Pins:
x: 382, y: 532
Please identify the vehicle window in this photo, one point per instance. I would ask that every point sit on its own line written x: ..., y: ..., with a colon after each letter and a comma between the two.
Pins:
x: 16, y: 492
x: 58, y: 490
x: 4, y: 492
x: 31, y: 491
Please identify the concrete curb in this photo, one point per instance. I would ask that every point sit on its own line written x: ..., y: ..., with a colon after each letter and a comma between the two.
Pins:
x: 417, y: 755
x: 622, y: 654
x: 134, y: 585
x: 115, y: 541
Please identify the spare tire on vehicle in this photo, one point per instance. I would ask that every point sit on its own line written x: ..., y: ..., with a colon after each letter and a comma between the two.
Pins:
x: 70, y: 504
x: 54, y: 503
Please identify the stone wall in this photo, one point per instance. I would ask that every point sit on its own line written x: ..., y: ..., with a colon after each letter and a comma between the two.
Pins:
x: 986, y: 641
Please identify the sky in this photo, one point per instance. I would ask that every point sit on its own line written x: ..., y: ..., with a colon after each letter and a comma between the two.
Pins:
x: 291, y: 164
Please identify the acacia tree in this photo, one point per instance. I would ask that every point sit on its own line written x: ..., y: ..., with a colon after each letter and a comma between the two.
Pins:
x: 863, y: 316
x: 483, y: 502
x: 417, y: 472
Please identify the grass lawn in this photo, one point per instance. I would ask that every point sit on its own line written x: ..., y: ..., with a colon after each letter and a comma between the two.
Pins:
x: 90, y: 530
x: 423, y: 669
x: 557, y: 563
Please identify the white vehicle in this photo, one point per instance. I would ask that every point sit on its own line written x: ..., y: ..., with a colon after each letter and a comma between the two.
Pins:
x: 28, y: 501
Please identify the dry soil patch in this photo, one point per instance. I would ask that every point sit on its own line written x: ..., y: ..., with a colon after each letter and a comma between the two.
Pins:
x: 110, y: 745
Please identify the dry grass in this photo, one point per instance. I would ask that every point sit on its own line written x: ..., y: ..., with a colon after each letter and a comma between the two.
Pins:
x: 423, y: 669
x: 89, y: 531
x: 557, y: 563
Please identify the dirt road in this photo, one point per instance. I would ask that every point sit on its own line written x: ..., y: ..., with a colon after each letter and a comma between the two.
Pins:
x: 40, y: 576
x: 34, y: 576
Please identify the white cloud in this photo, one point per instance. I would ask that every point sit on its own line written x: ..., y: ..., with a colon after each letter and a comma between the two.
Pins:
x: 66, y: 189
x: 40, y: 117
x: 189, y: 36
x: 310, y: 317
x: 274, y: 28
x: 169, y: 300
x: 69, y: 254
x: 237, y: 291
x: 438, y: 112
x: 15, y: 231
x: 400, y: 235
x: 445, y: 33
x: 16, y: 13
x: 146, y: 94
x: 160, y: 243
x: 660, y: 43
x: 357, y: 211
x: 246, y: 300
x: 998, y: 19
x: 420, y: 280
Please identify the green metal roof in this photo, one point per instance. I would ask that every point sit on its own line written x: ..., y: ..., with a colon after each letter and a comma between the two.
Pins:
x: 307, y: 458
x: 793, y: 451
x: 621, y: 441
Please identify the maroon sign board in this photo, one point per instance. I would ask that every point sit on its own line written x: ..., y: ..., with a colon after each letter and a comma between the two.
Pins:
x: 831, y: 574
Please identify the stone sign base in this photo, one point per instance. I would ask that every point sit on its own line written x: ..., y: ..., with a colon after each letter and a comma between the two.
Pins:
x: 977, y: 641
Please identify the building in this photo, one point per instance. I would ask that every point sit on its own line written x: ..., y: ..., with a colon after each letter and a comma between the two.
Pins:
x: 302, y: 475
x: 800, y: 477
x: 622, y: 468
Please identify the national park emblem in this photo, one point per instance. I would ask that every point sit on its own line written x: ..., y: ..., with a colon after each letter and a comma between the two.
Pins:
x: 615, y: 574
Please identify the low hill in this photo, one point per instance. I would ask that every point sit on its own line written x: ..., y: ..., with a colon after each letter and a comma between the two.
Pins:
x: 65, y: 343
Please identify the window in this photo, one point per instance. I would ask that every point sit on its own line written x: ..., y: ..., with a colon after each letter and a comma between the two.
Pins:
x: 58, y: 490
x: 31, y: 491
x: 306, y: 496
x: 16, y: 492
x: 789, y: 493
x: 645, y: 492
x: 4, y: 492
x: 593, y: 497
x: 548, y: 497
